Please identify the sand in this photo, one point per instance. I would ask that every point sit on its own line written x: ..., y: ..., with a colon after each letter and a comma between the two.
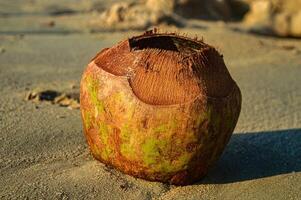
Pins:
x: 43, y: 152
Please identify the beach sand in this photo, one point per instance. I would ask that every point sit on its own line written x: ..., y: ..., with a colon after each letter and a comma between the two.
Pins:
x: 43, y: 152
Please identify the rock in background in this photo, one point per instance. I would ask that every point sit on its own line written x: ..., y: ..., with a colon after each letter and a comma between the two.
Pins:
x: 273, y: 17
x: 139, y: 15
x: 146, y: 13
x: 277, y: 17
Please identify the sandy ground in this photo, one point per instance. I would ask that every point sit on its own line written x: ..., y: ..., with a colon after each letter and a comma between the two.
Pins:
x: 43, y: 152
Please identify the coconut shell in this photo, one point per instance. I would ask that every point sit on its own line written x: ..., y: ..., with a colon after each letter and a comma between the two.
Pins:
x: 161, y: 107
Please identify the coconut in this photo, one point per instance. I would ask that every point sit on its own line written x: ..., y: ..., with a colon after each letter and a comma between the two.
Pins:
x: 159, y: 106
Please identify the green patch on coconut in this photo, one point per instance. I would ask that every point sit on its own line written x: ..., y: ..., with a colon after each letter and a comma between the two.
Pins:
x: 160, y: 128
x: 126, y: 149
x: 171, y: 166
x: 104, y: 134
x: 87, y: 120
x: 93, y: 87
x: 151, y: 150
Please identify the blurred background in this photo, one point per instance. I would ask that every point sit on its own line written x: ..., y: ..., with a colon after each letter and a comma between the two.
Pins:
x: 271, y: 17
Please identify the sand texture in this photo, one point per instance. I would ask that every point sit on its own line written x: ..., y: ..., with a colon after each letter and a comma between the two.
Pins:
x: 43, y: 152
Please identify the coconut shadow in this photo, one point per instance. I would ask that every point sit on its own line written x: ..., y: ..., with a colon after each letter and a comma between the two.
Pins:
x: 257, y: 155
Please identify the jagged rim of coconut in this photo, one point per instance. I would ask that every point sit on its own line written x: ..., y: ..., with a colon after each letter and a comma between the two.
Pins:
x: 184, y: 37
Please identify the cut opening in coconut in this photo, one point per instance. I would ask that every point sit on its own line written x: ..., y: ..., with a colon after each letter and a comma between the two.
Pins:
x: 169, y: 42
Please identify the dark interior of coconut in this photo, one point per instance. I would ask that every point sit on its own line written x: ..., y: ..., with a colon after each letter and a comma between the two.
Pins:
x: 166, y: 42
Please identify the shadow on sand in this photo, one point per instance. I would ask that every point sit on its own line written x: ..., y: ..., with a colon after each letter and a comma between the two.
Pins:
x: 257, y: 155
